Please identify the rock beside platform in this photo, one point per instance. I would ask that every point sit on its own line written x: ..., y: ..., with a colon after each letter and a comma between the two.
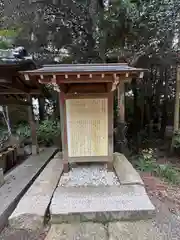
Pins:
x: 30, y: 211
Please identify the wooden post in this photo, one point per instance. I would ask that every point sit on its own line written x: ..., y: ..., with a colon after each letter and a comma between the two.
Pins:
x: 121, y: 99
x: 110, y: 130
x: 35, y: 148
x: 64, y: 131
x: 176, y: 106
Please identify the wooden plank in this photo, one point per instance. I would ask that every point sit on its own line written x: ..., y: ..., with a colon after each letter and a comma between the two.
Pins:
x: 18, y: 92
x: 64, y: 130
x: 88, y: 159
x: 87, y: 95
x: 110, y: 129
x: 87, y: 88
x: 11, y: 101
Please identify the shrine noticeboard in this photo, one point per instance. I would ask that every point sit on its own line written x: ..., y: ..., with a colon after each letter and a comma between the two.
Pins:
x: 87, y: 127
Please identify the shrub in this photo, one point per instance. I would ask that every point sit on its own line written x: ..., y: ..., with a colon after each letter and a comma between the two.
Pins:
x: 167, y: 172
x: 47, y: 132
x: 23, y: 131
x: 176, y: 139
x: 146, y: 162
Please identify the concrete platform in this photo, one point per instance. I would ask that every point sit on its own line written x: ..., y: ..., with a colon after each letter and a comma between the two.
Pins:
x: 31, y: 210
x: 18, y: 181
x: 100, y: 204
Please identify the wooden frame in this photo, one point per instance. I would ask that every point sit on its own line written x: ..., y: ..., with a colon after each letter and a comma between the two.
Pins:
x: 66, y: 158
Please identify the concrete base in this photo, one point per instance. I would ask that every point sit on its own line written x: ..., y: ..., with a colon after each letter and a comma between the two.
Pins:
x: 31, y: 210
x: 83, y: 231
x: 136, y: 230
x: 100, y: 204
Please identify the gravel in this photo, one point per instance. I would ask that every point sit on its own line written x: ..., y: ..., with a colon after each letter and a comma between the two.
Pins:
x: 89, y: 175
x: 165, y: 221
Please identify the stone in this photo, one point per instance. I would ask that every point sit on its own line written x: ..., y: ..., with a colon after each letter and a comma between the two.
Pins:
x: 30, y: 211
x: 82, y: 231
x: 126, y: 173
x: 100, y: 204
x: 1, y: 177
x: 19, y: 180
x: 27, y: 150
x: 135, y: 230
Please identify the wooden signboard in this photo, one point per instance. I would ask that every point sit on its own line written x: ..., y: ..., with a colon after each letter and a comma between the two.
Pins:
x: 87, y: 127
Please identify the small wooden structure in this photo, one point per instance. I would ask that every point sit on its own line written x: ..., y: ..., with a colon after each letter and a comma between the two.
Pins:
x: 15, y: 90
x: 86, y: 100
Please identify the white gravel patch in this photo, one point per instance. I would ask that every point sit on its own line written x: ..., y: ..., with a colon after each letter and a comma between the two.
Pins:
x: 89, y: 175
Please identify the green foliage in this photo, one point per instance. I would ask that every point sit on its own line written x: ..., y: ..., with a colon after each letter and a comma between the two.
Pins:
x: 3, y: 134
x: 146, y: 162
x: 166, y: 171
x: 176, y: 139
x: 8, y: 33
x: 47, y: 132
x: 23, y: 131
x: 4, y: 45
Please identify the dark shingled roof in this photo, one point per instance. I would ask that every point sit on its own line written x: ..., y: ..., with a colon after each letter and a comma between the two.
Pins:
x: 85, y: 68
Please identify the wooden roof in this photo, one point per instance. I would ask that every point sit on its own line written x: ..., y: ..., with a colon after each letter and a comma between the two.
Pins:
x: 85, y: 68
x: 68, y: 77
x: 13, y: 87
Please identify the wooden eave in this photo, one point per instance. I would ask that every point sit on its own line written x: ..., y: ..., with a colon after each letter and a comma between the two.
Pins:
x: 69, y: 77
x: 13, y: 87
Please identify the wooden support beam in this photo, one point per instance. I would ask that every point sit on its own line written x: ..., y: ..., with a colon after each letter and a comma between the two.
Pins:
x: 64, y: 131
x: 110, y: 130
x: 87, y: 88
x: 90, y: 78
x: 10, y: 101
x: 17, y: 92
x: 35, y: 147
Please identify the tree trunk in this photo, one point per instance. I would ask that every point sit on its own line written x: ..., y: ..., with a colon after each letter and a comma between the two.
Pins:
x: 164, y: 108
x: 176, y: 107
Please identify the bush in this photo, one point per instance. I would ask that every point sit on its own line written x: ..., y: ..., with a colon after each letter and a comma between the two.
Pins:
x: 47, y: 132
x: 176, y: 139
x: 167, y: 172
x: 146, y: 162
x: 23, y: 131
